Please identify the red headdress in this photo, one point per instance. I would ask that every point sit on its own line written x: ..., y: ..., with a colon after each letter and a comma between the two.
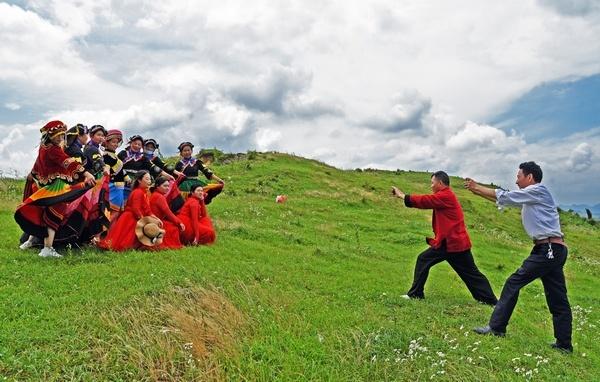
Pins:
x: 53, y: 128
x: 114, y: 133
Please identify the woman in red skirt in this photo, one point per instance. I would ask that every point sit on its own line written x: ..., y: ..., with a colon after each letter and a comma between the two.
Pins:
x: 57, y: 183
x: 159, y: 206
x: 121, y: 235
x: 193, y: 214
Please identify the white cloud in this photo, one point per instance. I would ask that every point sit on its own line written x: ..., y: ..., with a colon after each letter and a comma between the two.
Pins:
x: 380, y: 84
x: 581, y: 158
x: 12, y: 106
x: 474, y: 136
x: 408, y: 110
x: 267, y: 139
x: 228, y: 116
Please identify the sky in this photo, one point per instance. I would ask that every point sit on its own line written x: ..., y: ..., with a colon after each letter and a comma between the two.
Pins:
x: 469, y: 87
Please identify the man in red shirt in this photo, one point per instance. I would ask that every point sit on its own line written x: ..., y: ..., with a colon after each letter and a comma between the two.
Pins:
x: 451, y: 242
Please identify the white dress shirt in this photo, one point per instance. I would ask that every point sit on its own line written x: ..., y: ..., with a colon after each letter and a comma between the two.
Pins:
x: 539, y: 211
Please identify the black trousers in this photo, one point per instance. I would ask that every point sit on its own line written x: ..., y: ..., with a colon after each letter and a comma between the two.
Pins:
x: 462, y: 263
x: 550, y: 270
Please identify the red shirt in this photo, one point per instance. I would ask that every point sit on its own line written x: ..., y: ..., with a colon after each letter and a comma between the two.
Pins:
x: 138, y: 203
x: 53, y: 163
x: 160, y: 208
x: 448, y: 221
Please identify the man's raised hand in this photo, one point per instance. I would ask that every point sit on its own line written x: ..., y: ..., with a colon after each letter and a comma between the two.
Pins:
x: 397, y: 193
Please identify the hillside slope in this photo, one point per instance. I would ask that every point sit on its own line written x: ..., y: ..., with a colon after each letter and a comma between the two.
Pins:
x: 306, y: 290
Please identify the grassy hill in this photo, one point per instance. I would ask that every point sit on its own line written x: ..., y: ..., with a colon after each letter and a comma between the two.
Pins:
x: 306, y: 290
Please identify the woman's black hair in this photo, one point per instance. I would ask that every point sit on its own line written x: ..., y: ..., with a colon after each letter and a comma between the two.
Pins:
x: 135, y: 138
x: 138, y: 177
x: 74, y: 132
x: 193, y: 188
x: 183, y: 144
x: 158, y: 181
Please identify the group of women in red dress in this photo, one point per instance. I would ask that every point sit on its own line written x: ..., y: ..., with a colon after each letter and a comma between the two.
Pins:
x: 81, y: 191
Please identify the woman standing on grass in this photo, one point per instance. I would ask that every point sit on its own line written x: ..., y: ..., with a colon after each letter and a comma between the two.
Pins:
x: 193, y: 214
x: 116, y: 184
x: 56, y: 176
x: 159, y: 206
x: 77, y: 137
x: 96, y: 201
x: 121, y: 235
x: 152, y: 152
x: 191, y: 167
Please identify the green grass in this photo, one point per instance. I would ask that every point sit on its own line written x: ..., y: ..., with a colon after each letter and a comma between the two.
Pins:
x: 314, y: 285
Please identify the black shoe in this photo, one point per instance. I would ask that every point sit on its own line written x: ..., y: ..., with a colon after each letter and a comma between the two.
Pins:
x: 487, y: 330
x: 562, y: 348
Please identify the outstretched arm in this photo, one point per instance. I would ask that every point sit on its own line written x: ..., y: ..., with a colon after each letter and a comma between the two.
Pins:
x: 398, y: 193
x: 478, y: 189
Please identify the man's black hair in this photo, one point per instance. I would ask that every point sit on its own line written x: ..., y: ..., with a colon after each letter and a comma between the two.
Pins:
x: 533, y: 169
x: 442, y: 177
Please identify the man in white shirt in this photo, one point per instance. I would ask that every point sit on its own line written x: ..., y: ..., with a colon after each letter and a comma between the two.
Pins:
x: 540, y: 219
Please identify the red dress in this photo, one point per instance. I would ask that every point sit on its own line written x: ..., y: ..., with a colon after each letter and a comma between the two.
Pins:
x: 160, y: 208
x: 197, y: 223
x: 121, y: 235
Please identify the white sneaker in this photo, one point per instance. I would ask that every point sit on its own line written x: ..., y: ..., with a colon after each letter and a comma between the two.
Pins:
x: 27, y: 244
x: 49, y: 252
x: 405, y: 296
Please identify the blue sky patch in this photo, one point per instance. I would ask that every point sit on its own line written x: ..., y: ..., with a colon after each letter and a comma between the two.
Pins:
x: 554, y: 109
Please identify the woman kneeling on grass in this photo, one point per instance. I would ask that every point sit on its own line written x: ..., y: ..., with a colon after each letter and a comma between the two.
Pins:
x: 193, y: 214
x: 122, y: 234
x: 159, y: 206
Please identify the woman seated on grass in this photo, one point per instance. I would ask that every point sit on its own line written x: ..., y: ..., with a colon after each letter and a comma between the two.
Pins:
x: 159, y: 206
x: 121, y: 235
x: 193, y: 214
